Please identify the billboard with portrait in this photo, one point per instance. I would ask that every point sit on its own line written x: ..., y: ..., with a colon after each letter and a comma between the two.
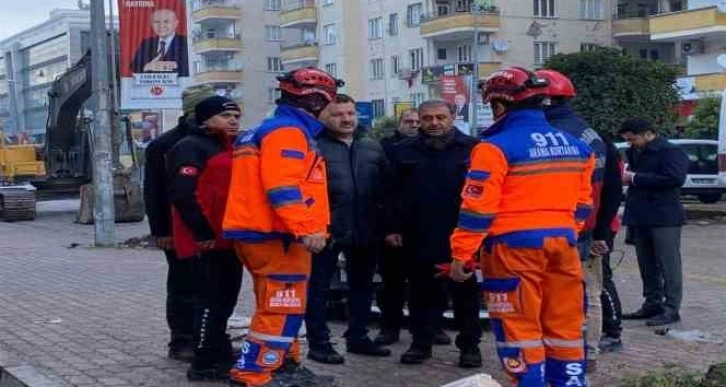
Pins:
x: 154, y: 61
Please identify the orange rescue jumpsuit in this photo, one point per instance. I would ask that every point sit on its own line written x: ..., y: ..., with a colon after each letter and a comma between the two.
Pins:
x: 527, y: 196
x: 278, y: 194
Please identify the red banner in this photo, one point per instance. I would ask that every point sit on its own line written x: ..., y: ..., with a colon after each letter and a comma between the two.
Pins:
x: 154, y: 53
x: 454, y: 89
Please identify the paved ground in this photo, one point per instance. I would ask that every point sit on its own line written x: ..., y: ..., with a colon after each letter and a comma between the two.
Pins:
x: 94, y: 317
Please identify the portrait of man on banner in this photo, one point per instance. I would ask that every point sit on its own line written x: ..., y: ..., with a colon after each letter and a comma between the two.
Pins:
x: 166, y: 51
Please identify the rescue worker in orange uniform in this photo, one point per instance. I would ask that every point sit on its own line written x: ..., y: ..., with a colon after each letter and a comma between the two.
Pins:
x: 278, y: 214
x: 527, y: 196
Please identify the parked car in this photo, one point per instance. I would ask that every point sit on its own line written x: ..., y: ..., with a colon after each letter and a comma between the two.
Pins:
x: 703, y: 180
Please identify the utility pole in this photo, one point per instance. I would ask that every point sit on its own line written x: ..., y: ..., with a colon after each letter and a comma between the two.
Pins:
x: 103, y: 206
x: 473, y: 108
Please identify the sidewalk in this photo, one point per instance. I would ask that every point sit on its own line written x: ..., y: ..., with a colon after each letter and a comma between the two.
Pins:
x: 95, y: 317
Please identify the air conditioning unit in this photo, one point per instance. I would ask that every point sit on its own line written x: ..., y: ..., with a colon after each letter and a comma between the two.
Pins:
x: 692, y: 47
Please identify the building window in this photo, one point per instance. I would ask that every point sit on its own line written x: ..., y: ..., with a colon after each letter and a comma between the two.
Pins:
x: 416, y: 59
x: 463, y: 53
x: 418, y: 99
x: 273, y: 94
x: 273, y: 5
x: 375, y: 28
x: 332, y: 69
x: 587, y: 47
x: 591, y: 9
x: 376, y: 69
x: 413, y: 14
x: 395, y: 65
x: 379, y: 107
x: 273, y: 33
x: 274, y: 65
x: 393, y: 24
x: 543, y: 51
x: 544, y: 8
x: 440, y: 54
x: 330, y: 34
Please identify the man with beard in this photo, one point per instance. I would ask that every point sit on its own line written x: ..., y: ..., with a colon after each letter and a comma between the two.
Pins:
x: 428, y: 173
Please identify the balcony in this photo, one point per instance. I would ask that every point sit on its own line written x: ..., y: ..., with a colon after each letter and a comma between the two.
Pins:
x: 631, y: 28
x: 216, y: 10
x: 487, y: 68
x: 300, y: 54
x: 692, y: 24
x: 223, y: 44
x: 219, y: 75
x: 302, y: 14
x: 459, y: 25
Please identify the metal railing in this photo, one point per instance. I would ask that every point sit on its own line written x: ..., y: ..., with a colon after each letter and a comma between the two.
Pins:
x: 313, y: 43
x: 206, y: 68
x: 635, y: 14
x: 196, y: 39
x: 201, y: 4
x: 435, y: 15
x: 300, y: 4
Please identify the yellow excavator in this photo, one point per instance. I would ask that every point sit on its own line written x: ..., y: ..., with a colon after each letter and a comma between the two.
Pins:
x: 63, y: 168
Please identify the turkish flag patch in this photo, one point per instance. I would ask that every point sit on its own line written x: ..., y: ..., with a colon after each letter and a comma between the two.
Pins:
x: 188, y: 170
x: 473, y: 190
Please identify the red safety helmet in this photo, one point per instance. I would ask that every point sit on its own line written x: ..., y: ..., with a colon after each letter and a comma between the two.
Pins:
x: 560, y: 85
x: 514, y: 84
x: 309, y: 81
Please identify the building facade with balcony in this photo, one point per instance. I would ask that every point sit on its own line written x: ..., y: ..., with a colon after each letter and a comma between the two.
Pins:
x: 697, y: 29
x: 382, y: 47
x: 236, y: 50
x: 29, y: 63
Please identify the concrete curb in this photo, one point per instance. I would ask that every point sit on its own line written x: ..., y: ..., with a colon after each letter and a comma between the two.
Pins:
x: 25, y: 376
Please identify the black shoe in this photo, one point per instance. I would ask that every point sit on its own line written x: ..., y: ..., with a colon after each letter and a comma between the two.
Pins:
x: 417, y: 354
x: 183, y: 353
x: 610, y: 344
x: 294, y: 374
x: 663, y: 319
x: 210, y: 372
x: 325, y: 354
x: 470, y: 358
x: 386, y: 337
x: 642, y: 314
x: 367, y: 347
x: 441, y: 338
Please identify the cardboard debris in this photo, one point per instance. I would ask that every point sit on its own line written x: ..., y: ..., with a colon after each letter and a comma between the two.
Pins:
x: 480, y: 380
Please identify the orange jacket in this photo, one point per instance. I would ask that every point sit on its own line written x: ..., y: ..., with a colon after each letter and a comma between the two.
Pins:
x: 279, y: 185
x: 527, y: 181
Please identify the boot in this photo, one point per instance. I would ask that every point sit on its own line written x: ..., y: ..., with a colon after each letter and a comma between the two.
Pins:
x: 367, y: 347
x: 182, y: 351
x: 441, y: 338
x: 386, y: 337
x: 325, y: 354
x: 416, y: 354
x: 470, y: 358
x: 297, y: 374
x: 209, y: 365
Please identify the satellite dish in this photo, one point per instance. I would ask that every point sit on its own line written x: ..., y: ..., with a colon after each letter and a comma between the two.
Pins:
x: 721, y: 60
x: 721, y: 6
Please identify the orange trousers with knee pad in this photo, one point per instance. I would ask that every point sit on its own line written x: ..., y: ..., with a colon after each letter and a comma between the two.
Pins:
x: 535, y: 296
x: 280, y: 272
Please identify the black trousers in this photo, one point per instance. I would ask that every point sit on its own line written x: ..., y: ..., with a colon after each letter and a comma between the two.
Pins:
x: 393, y: 296
x: 426, y: 296
x: 218, y: 280
x: 180, y: 303
x: 659, y: 260
x: 360, y: 267
x: 611, y: 307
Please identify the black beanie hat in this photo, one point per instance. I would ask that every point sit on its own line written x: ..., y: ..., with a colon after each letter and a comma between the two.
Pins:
x: 212, y: 106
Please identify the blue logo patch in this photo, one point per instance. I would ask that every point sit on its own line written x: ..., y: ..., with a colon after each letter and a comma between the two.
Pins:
x: 270, y: 358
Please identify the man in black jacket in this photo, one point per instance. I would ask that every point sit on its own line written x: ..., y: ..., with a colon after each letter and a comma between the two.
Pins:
x: 392, y: 266
x: 356, y: 167
x: 179, y: 280
x: 654, y: 212
x: 428, y: 173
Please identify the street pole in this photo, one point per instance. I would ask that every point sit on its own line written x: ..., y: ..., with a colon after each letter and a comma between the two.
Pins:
x: 103, y: 206
x: 475, y: 74
x: 115, y: 127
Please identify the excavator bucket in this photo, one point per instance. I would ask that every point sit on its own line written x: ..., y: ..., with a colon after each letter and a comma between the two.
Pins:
x: 17, y: 204
x: 128, y: 201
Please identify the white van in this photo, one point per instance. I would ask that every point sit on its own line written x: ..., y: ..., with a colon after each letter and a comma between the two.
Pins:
x: 706, y: 176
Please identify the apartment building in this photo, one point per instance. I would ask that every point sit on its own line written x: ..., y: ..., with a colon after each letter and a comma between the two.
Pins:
x: 382, y: 48
x: 236, y: 50
x: 29, y: 63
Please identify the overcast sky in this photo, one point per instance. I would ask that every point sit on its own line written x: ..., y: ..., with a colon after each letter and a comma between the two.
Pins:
x: 17, y: 15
